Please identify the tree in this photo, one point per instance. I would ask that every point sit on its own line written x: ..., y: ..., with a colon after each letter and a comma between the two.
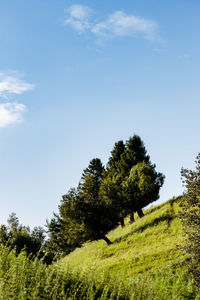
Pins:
x: 134, y: 153
x: 111, y: 194
x: 190, y: 216
x: 113, y: 165
x: 123, y: 158
x: 96, y: 168
x: 96, y: 214
x: 21, y: 237
x: 142, y: 187
x: 65, y: 230
x: 81, y: 215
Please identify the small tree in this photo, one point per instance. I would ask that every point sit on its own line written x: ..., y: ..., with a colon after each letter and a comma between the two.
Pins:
x: 190, y: 215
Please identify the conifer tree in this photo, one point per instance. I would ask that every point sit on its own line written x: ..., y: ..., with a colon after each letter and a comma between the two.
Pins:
x: 142, y: 187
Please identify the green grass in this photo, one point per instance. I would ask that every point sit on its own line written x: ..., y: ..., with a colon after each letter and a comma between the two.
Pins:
x: 143, y: 263
x: 146, y: 245
x: 144, y: 257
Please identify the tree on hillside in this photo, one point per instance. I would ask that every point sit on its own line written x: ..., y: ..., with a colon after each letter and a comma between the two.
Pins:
x: 123, y: 158
x: 113, y: 165
x: 190, y: 215
x: 96, y: 214
x: 104, y: 197
x: 82, y: 216
x: 134, y: 153
x: 95, y: 168
x: 142, y: 187
x: 66, y: 230
x: 111, y: 194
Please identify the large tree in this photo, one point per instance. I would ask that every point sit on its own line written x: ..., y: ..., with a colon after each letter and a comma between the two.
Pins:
x: 96, y: 214
x: 123, y: 158
x: 134, y: 153
x: 112, y: 195
x: 66, y: 230
x: 95, y: 168
x: 113, y: 166
x: 142, y: 187
x: 190, y: 215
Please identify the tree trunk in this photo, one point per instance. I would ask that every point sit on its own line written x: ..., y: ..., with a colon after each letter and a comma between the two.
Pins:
x: 106, y: 240
x: 140, y: 213
x: 122, y: 222
x: 131, y: 218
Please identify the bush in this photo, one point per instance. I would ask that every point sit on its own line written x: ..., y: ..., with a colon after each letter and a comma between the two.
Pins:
x: 190, y: 216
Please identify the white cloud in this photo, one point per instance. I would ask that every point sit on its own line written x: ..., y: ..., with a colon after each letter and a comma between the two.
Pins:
x: 121, y: 24
x: 78, y: 17
x: 11, y: 113
x: 117, y: 24
x: 80, y: 12
x: 13, y: 84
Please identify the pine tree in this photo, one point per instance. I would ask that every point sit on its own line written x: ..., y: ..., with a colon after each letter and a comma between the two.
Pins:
x: 113, y: 165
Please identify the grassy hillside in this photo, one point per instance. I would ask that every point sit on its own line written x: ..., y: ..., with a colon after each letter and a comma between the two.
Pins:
x: 146, y: 245
x: 143, y: 263
x: 143, y: 260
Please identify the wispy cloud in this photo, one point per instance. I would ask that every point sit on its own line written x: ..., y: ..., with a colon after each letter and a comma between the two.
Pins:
x: 12, y: 84
x: 117, y: 24
x: 11, y: 113
x: 78, y: 17
x: 121, y: 24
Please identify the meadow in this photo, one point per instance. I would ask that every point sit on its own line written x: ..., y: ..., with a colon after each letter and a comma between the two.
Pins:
x: 144, y: 261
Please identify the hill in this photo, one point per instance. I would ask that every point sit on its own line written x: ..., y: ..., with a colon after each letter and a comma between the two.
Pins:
x: 144, y: 259
x: 144, y: 262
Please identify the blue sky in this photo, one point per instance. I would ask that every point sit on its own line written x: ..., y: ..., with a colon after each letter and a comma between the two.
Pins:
x: 75, y: 77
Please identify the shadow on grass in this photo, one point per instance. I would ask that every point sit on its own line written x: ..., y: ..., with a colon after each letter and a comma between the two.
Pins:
x: 170, y: 202
x: 152, y: 209
x: 154, y: 222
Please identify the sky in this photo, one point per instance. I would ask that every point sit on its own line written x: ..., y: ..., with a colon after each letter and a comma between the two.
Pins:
x: 76, y: 77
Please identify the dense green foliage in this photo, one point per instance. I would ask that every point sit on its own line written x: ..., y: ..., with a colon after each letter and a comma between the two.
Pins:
x: 95, y: 168
x: 25, y: 279
x: 21, y: 237
x: 105, y: 196
x: 190, y: 215
x: 123, y: 171
x: 142, y: 186
x: 66, y: 230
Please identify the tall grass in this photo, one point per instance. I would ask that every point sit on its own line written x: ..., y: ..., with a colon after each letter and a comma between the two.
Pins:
x: 143, y: 263
x: 22, y: 278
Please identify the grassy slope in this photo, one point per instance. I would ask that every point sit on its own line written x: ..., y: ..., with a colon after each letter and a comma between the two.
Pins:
x: 147, y: 245
x: 143, y: 263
